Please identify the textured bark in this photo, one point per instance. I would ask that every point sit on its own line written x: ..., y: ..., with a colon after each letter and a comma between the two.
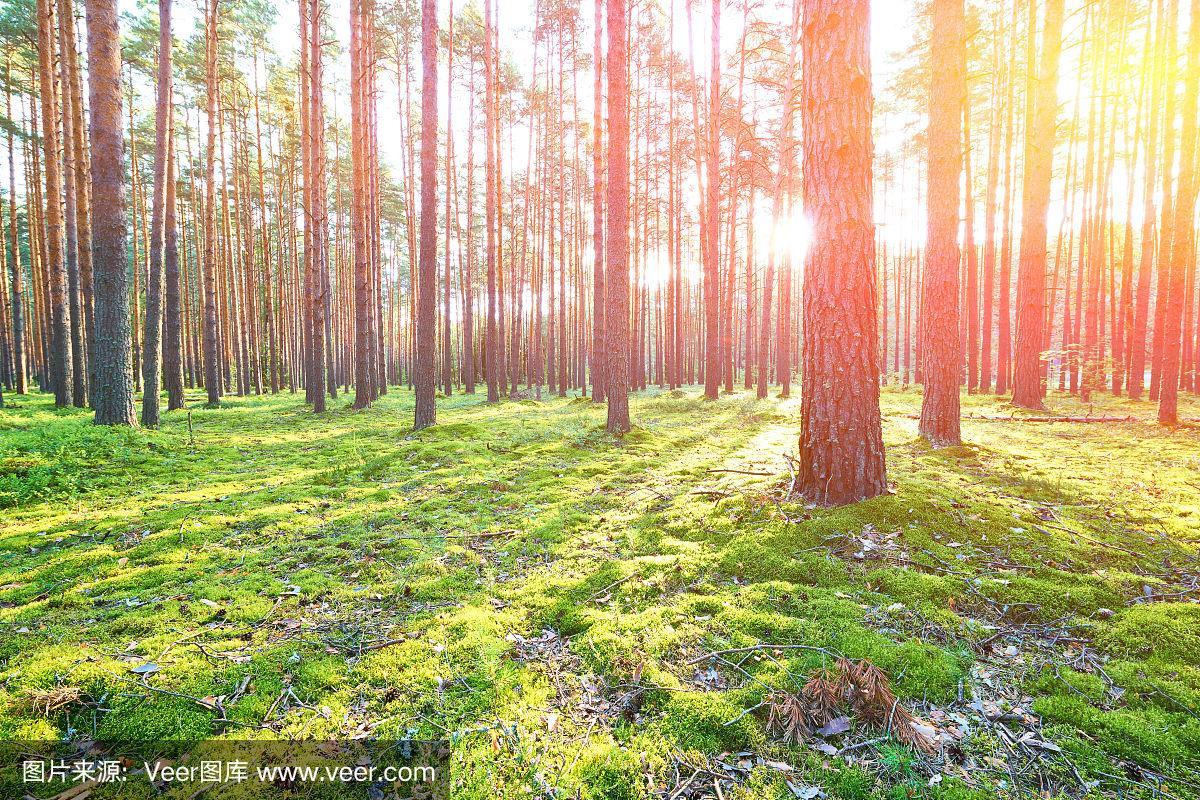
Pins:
x: 942, y: 348
x: 173, y: 356
x: 491, y: 331
x: 151, y: 338
x: 212, y: 353
x: 841, y: 439
x: 61, y: 377
x: 426, y: 367
x: 113, y: 396
x: 1182, y: 231
x: 361, y: 15
x: 17, y: 283
x: 712, y: 279
x: 73, y: 176
x: 599, y: 380
x: 616, y: 246
x: 447, y: 336
x: 318, y: 217
x: 1028, y: 370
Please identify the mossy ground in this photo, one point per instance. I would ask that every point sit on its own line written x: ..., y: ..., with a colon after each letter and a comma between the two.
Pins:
x: 340, y: 575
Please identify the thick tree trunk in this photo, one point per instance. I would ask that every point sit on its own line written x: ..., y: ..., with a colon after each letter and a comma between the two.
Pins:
x: 1028, y: 388
x: 616, y: 248
x: 841, y: 439
x: 426, y: 368
x: 113, y: 398
x: 939, y: 302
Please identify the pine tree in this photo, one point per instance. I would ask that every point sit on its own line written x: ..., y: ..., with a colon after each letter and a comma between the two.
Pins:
x: 841, y: 437
x: 939, y: 301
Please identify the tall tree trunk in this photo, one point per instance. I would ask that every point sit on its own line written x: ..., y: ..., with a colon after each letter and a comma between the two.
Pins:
x: 73, y: 175
x: 151, y: 350
x: 1183, y: 231
x: 1028, y: 389
x: 712, y: 280
x: 426, y: 368
x: 212, y: 353
x: 173, y: 338
x: 113, y: 398
x: 599, y: 381
x: 939, y: 302
x: 841, y: 438
x: 317, y: 298
x: 782, y: 174
x: 61, y: 377
x: 616, y: 247
x: 361, y: 20
x: 17, y: 285
x: 491, y: 329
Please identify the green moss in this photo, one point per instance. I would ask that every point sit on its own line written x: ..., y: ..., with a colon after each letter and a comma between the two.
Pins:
x: 774, y: 558
x: 1161, y: 631
x: 610, y: 772
x: 706, y: 722
x: 384, y: 577
x: 1147, y: 736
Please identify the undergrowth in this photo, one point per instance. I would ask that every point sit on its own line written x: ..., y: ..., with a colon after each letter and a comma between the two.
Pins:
x: 292, y: 575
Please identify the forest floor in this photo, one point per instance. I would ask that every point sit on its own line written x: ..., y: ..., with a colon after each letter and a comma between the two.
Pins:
x: 562, y: 605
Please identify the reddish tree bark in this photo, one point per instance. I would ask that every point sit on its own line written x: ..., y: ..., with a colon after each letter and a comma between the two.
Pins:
x: 1182, y: 232
x: 598, y: 286
x: 113, y: 396
x: 426, y: 368
x: 616, y: 312
x: 942, y: 350
x: 61, y: 377
x: 841, y: 438
x: 151, y: 338
x: 1028, y: 388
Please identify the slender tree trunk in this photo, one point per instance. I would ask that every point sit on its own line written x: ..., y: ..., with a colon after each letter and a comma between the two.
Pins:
x: 361, y: 19
x: 491, y: 331
x: 712, y: 279
x: 782, y: 174
x: 599, y: 381
x: 17, y: 284
x: 61, y: 376
x: 73, y: 174
x: 212, y: 353
x: 1182, y: 233
x: 1141, y: 308
x: 426, y: 368
x: 152, y: 354
x: 616, y: 248
x: 841, y: 438
x: 939, y: 303
x: 1028, y: 388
